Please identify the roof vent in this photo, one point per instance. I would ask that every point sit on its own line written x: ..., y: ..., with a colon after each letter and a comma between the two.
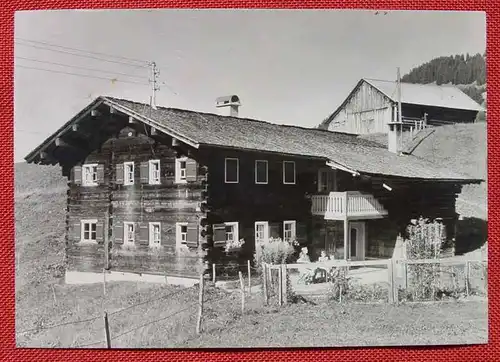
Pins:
x: 228, y: 105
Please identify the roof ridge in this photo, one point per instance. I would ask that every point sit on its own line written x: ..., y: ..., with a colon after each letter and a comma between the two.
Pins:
x: 231, y: 117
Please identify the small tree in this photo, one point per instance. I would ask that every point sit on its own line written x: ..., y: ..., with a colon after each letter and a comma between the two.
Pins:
x: 425, y: 239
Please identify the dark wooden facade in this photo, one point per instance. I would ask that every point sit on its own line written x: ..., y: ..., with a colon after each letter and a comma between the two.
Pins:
x: 204, y: 201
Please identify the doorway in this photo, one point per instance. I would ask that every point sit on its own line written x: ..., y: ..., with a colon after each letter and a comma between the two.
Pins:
x: 357, y: 240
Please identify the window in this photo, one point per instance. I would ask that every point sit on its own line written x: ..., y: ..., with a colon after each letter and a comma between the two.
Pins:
x: 154, y: 233
x: 89, y: 230
x: 289, y: 172
x: 232, y: 170
x: 327, y: 180
x: 289, y: 230
x: 128, y: 168
x: 180, y: 170
x: 128, y: 233
x: 261, y: 232
x: 231, y: 231
x: 261, y: 172
x: 181, y: 234
x: 89, y: 175
x: 154, y: 172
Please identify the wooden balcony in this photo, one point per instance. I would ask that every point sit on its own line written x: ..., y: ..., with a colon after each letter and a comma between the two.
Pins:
x: 351, y: 205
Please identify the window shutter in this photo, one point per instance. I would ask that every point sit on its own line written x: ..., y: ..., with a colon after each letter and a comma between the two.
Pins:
x: 301, y: 233
x: 100, y: 174
x: 192, y: 235
x: 275, y: 230
x: 120, y: 174
x: 219, y: 235
x: 77, y: 175
x: 143, y: 234
x: 77, y: 231
x: 100, y: 232
x: 191, y: 170
x: 144, y: 172
x: 118, y: 233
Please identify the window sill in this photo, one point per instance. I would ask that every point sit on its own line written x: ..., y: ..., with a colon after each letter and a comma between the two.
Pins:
x: 154, y: 183
x: 261, y: 183
x: 87, y: 242
x: 181, y: 182
x: 231, y: 182
x: 89, y: 185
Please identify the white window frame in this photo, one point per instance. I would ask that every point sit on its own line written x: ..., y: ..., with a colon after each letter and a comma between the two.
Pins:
x: 236, y: 232
x: 126, y: 179
x: 82, y: 230
x: 152, y: 179
x: 265, y: 238
x: 267, y: 172
x: 179, y: 243
x: 293, y: 230
x: 152, y: 234
x: 85, y: 169
x: 294, y: 173
x: 179, y: 177
x: 126, y: 240
x: 237, y: 170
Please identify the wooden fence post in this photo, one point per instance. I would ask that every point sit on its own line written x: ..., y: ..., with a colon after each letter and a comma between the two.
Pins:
x: 467, y: 278
x: 264, y: 283
x: 242, y: 286
x: 213, y: 273
x: 200, y: 305
x: 284, y: 288
x: 391, y: 281
x: 104, y: 281
x: 106, y: 240
x: 106, y: 330
x: 249, y: 277
x: 280, y: 286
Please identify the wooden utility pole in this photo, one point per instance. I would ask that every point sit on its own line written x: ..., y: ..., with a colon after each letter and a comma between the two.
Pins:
x: 249, y: 276
x: 400, y: 119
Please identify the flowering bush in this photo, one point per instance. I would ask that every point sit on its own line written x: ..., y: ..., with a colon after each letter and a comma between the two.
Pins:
x: 275, y: 251
x: 234, y: 245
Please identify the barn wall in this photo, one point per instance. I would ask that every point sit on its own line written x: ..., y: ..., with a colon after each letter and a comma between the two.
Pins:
x: 367, y: 111
x: 436, y: 114
x: 166, y: 203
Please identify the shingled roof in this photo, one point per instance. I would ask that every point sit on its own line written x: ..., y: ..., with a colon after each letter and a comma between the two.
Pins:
x: 200, y: 129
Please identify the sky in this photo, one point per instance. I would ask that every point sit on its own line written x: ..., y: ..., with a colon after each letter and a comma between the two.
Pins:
x: 288, y: 67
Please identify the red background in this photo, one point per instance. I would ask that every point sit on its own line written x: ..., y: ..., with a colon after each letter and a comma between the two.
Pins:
x: 8, y: 352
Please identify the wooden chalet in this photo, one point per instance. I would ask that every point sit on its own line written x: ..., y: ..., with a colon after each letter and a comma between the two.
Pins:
x: 158, y: 192
x: 372, y: 105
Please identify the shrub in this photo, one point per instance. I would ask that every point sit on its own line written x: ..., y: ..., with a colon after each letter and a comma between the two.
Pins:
x: 339, y: 282
x: 425, y: 240
x: 276, y: 251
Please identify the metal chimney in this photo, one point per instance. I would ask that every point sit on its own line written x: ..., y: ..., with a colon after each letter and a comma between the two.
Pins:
x: 228, y: 105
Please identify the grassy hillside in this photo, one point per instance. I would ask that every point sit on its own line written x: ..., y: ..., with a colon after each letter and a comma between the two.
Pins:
x: 462, y: 148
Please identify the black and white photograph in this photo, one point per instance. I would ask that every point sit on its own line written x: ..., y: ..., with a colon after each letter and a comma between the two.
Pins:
x: 250, y: 178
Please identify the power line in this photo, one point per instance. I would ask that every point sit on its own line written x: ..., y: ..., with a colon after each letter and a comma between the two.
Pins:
x: 81, y: 75
x: 84, y: 56
x: 84, y: 51
x: 79, y: 67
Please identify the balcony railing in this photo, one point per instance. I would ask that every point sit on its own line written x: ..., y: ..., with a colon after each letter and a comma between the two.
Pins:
x: 349, y: 204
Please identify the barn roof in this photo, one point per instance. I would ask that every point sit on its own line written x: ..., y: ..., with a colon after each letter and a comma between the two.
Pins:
x: 348, y: 152
x: 432, y: 95
x: 445, y: 96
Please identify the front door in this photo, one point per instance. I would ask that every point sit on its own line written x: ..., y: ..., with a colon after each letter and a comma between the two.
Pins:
x: 357, y: 240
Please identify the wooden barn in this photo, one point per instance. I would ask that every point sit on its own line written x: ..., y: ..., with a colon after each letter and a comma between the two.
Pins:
x: 159, y: 192
x: 372, y: 105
